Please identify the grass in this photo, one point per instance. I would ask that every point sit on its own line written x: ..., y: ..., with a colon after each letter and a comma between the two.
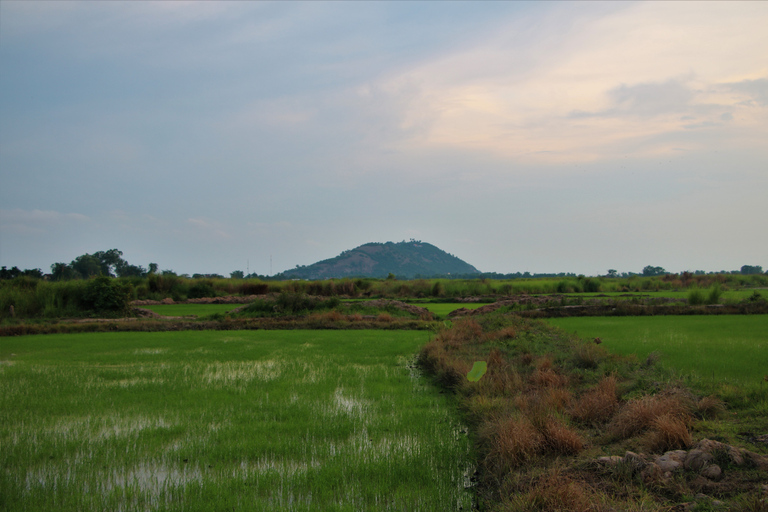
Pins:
x: 720, y: 349
x: 441, y: 310
x: 225, y: 420
x: 551, y: 403
x: 199, y: 310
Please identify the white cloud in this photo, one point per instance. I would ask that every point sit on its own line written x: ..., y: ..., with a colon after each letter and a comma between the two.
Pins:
x: 637, y: 70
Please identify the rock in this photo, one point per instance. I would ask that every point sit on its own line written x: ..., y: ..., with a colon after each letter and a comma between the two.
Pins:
x: 709, y: 446
x: 671, y: 461
x: 712, y: 472
x: 696, y: 460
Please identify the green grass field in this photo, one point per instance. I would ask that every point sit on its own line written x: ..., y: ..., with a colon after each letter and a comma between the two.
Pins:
x: 226, y: 420
x: 198, y: 310
x: 717, y: 348
x: 442, y: 309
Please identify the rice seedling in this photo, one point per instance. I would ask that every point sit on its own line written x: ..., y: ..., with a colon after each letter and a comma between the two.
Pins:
x: 226, y: 420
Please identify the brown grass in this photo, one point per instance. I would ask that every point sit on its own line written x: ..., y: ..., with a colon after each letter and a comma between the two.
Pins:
x: 710, y: 407
x: 668, y: 432
x: 555, y: 492
x: 509, y: 442
x: 597, y: 405
x: 463, y: 331
x: 547, y: 378
x: 640, y: 414
x: 562, y: 440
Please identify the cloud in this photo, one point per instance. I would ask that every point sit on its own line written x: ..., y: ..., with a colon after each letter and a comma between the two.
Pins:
x: 755, y: 92
x: 18, y: 221
x: 581, y: 92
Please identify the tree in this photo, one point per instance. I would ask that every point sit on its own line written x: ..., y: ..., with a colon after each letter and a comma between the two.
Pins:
x: 237, y: 274
x: 612, y: 272
x: 87, y: 266
x: 750, y: 269
x: 63, y: 272
x: 651, y: 271
x: 109, y: 260
x: 153, y: 268
x: 124, y: 269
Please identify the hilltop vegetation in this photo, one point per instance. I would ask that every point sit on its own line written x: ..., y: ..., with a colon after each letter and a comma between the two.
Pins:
x: 402, y: 259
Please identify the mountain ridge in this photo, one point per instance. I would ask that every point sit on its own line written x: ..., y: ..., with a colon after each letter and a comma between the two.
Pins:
x: 377, y: 259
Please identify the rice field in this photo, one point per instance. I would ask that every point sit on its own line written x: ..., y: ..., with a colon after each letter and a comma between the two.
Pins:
x: 717, y: 349
x: 226, y: 420
x: 198, y: 310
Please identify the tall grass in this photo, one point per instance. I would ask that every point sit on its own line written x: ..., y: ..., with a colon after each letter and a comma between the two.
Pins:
x: 236, y: 420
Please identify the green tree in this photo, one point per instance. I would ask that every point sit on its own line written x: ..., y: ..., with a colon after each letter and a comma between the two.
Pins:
x: 105, y: 295
x: 751, y: 269
x: 237, y: 274
x: 109, y: 260
x: 87, y: 266
x: 651, y: 271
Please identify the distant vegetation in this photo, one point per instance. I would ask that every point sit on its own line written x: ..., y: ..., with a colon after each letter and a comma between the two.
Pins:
x: 405, y: 259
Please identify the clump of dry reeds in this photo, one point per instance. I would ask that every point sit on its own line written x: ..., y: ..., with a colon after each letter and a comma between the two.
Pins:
x: 668, y: 432
x: 597, y: 405
x: 509, y: 442
x: 657, y: 412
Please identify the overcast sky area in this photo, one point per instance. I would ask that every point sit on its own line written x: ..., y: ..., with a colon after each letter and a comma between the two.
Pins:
x: 209, y: 137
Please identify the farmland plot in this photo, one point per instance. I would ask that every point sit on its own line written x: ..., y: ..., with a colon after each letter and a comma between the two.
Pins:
x: 716, y: 349
x: 233, y: 420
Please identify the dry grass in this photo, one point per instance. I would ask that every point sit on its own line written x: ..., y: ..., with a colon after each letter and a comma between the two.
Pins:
x: 668, y: 432
x: 509, y: 442
x: 710, y: 407
x: 561, y: 439
x: 555, y: 492
x: 641, y: 414
x: 547, y: 378
x: 597, y: 405
x: 464, y: 330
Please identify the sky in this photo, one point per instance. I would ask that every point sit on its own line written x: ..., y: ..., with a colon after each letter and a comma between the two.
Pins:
x: 209, y: 137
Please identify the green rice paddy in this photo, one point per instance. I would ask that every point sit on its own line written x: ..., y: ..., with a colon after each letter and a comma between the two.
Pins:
x: 198, y: 310
x: 226, y: 420
x: 718, y: 348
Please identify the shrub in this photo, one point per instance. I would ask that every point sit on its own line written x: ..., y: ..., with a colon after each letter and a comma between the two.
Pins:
x: 202, y: 289
x: 106, y: 295
x: 713, y: 297
x: 696, y: 297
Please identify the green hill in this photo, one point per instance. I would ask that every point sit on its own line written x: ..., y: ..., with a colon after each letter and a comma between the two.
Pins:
x: 403, y: 259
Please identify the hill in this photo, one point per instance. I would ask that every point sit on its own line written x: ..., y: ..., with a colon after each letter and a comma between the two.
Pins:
x: 403, y: 259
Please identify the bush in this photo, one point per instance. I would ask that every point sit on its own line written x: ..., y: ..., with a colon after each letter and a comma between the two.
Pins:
x: 696, y: 297
x: 202, y: 289
x: 105, y: 295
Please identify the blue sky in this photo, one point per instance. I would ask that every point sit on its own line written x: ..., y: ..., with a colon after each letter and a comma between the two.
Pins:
x: 541, y: 136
